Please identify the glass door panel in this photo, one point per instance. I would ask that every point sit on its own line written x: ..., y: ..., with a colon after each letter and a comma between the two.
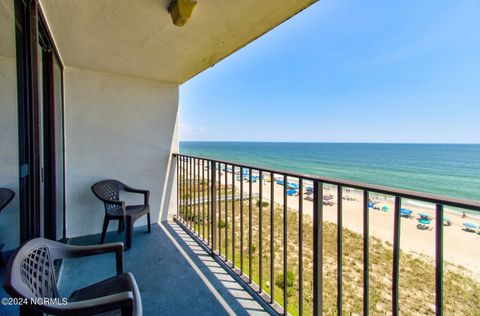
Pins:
x: 51, y: 139
x: 9, y: 160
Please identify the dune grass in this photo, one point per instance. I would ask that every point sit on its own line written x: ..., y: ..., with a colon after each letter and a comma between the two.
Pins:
x: 417, y: 273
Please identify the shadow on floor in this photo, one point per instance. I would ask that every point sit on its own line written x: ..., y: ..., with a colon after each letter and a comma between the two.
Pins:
x: 175, y: 275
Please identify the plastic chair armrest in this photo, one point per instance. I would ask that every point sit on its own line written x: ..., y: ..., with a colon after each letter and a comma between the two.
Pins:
x: 71, y: 251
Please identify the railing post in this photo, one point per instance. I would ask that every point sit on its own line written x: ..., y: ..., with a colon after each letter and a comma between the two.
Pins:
x: 317, y: 248
x: 250, y: 231
x: 272, y: 235
x: 213, y: 176
x: 226, y: 213
x: 203, y: 200
x: 439, y: 259
x: 339, y: 250
x: 396, y: 255
x: 177, y: 167
x: 260, y: 233
x: 366, y: 236
x: 285, y: 246
x: 241, y: 221
x: 300, y: 246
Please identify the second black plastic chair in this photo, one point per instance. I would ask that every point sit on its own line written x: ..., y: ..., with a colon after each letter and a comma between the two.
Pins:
x: 108, y: 191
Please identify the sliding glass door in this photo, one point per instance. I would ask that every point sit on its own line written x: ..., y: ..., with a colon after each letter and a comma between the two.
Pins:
x: 9, y: 160
x: 51, y: 137
x: 31, y: 127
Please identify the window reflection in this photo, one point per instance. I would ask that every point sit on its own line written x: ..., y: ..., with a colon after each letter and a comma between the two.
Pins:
x: 9, y: 215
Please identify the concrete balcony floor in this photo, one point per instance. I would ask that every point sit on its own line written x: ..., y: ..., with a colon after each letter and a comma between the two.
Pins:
x: 176, y: 275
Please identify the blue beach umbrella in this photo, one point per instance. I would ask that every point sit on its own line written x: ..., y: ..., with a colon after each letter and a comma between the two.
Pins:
x: 309, y: 188
x: 405, y: 212
x: 292, y: 192
x: 385, y: 208
x: 279, y: 181
x: 370, y: 204
x: 424, y: 221
x: 470, y: 225
x: 292, y: 185
x: 424, y: 215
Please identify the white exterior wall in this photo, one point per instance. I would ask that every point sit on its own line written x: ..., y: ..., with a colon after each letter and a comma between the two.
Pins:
x: 123, y: 128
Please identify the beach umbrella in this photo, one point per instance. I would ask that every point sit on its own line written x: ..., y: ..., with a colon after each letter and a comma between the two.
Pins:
x: 309, y: 188
x: 406, y: 212
x: 470, y: 225
x: 292, y: 192
x: 292, y: 185
x: 424, y: 215
x: 424, y: 221
x: 385, y: 208
x: 279, y: 181
x: 370, y: 204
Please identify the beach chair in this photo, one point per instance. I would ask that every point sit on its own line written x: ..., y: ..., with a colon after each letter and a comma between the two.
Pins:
x: 6, y: 196
x: 108, y: 191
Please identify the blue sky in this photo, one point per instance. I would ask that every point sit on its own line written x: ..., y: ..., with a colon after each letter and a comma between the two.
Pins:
x: 347, y: 71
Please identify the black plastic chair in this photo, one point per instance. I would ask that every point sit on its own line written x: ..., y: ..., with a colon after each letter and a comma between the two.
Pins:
x: 108, y: 191
x: 6, y: 195
x: 30, y: 276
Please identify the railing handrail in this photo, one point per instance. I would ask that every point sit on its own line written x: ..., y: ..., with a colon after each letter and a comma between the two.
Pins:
x: 403, y: 193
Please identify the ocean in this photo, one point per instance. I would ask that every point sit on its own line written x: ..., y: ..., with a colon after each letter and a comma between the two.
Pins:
x: 445, y: 169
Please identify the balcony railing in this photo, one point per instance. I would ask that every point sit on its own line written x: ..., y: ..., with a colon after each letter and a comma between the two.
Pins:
x: 236, y: 210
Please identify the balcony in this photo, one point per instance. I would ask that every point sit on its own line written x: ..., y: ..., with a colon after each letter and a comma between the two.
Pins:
x: 245, y: 239
x: 224, y: 252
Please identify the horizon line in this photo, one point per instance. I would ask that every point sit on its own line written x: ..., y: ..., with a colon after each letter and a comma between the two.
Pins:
x: 325, y: 142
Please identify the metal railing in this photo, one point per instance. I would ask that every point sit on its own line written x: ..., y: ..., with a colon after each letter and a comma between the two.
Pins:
x: 212, y: 197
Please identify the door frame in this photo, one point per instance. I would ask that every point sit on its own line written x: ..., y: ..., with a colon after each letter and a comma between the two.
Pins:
x: 29, y: 22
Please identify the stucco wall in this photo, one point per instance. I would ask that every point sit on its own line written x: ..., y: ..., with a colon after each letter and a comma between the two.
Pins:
x: 117, y: 127
x: 9, y: 217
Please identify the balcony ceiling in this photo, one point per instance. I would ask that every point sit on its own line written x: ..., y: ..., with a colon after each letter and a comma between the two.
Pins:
x: 138, y: 38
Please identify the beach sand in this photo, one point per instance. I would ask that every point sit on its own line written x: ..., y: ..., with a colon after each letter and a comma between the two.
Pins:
x: 460, y: 246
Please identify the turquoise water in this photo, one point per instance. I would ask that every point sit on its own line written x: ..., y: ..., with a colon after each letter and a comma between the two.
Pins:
x: 445, y: 169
